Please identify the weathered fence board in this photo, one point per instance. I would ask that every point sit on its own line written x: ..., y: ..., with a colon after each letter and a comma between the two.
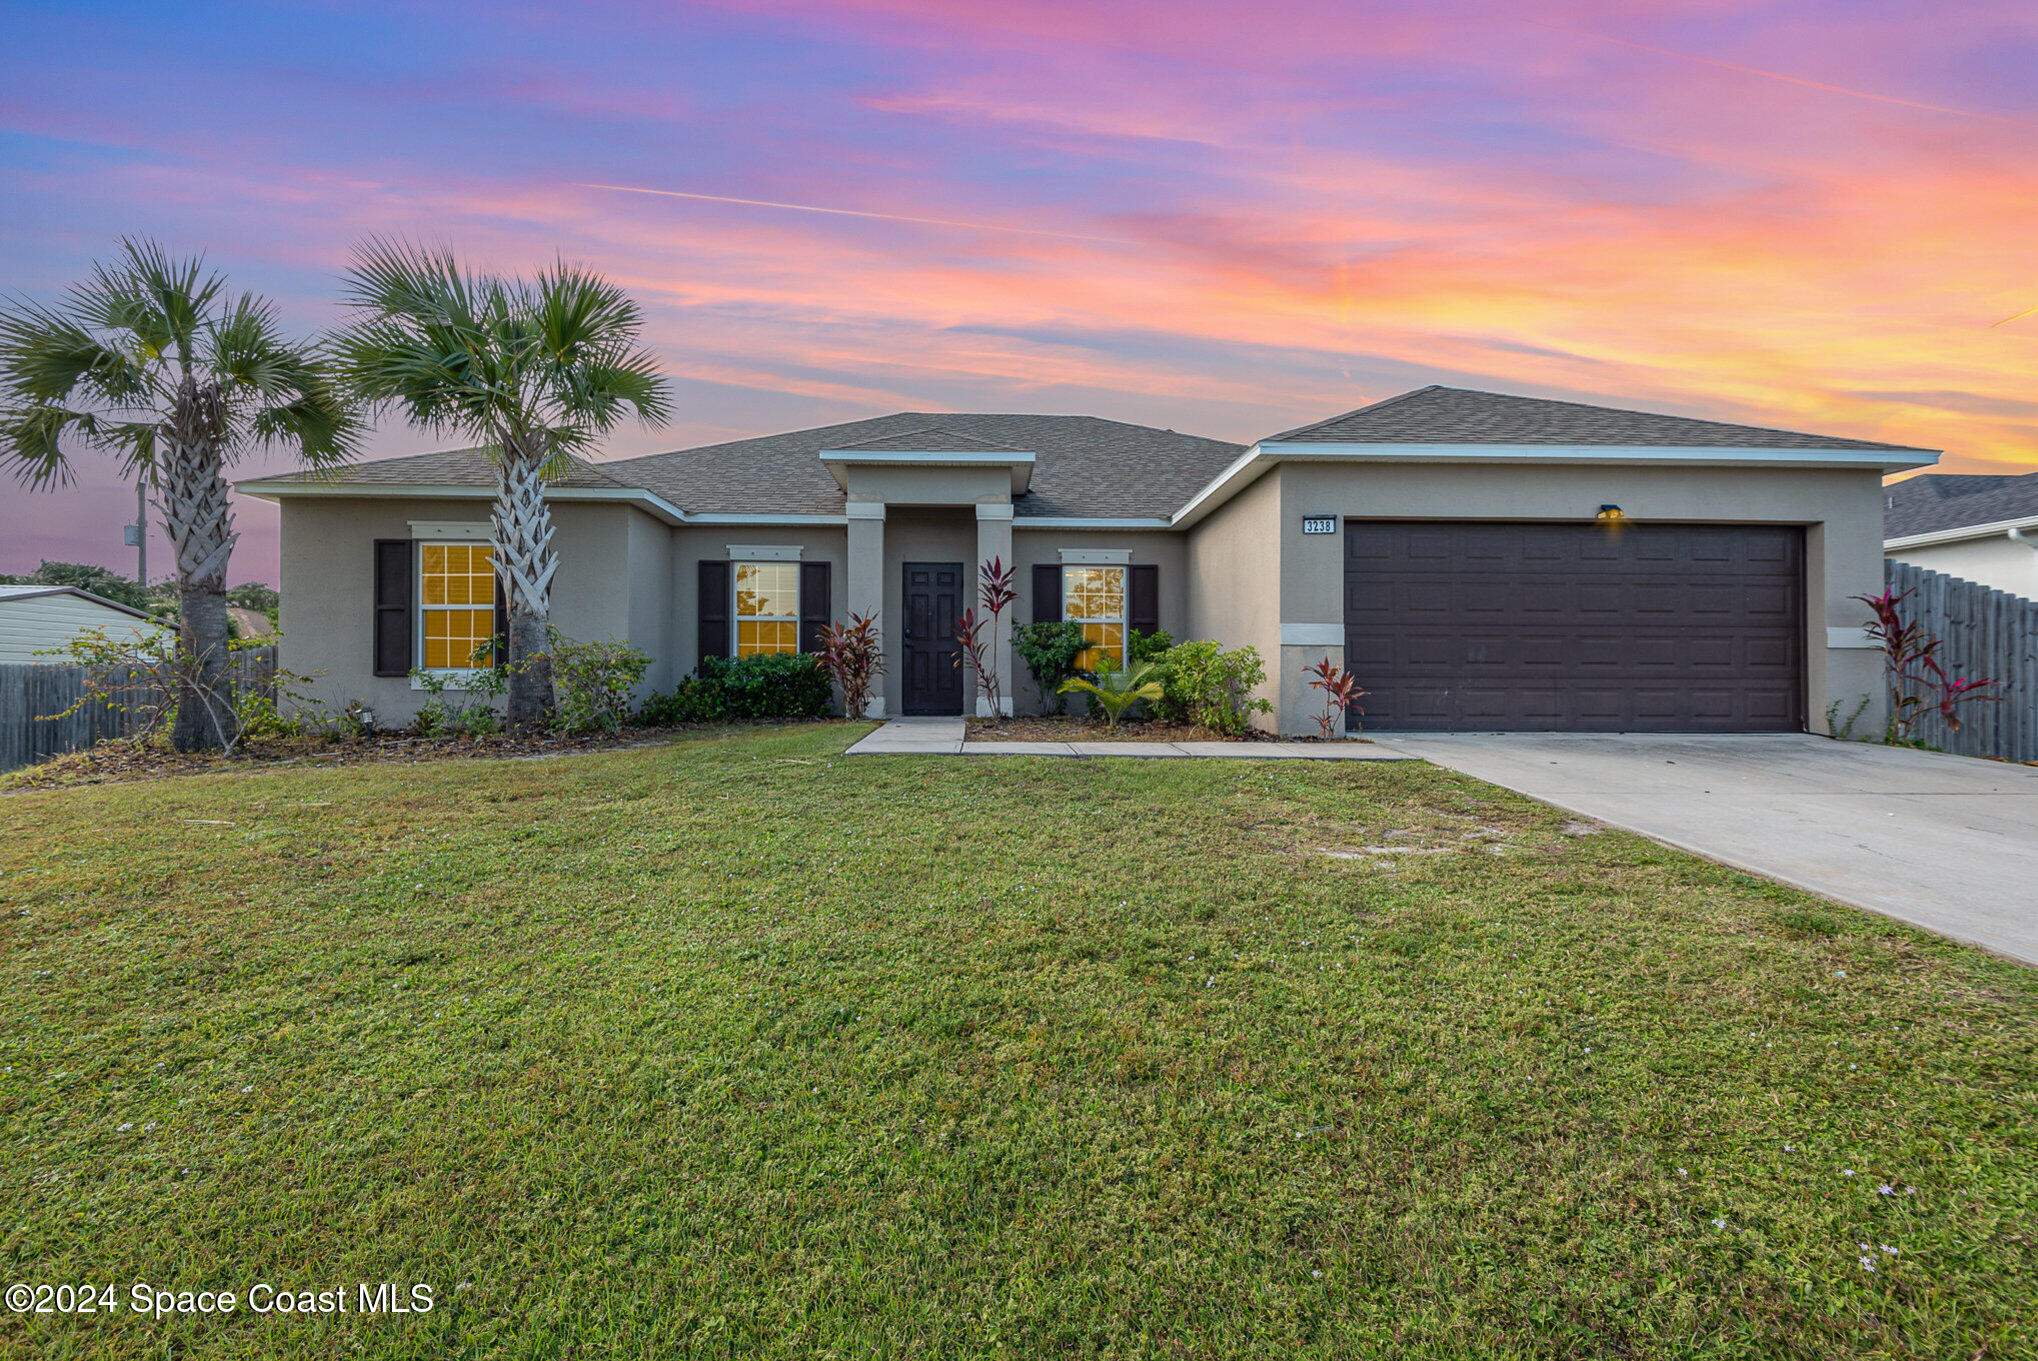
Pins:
x: 1983, y: 632
x: 29, y: 692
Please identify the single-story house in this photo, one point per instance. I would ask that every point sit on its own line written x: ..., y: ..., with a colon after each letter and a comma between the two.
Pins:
x: 1482, y: 561
x: 1977, y: 526
x: 36, y: 620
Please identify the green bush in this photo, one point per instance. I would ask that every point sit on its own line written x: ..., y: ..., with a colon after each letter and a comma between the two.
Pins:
x: 1050, y: 652
x: 1149, y: 647
x: 1212, y: 688
x: 591, y: 683
x: 694, y: 700
x: 777, y: 685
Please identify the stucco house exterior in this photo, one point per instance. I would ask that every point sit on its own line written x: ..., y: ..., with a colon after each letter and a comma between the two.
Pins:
x: 1483, y: 561
x: 1979, y: 527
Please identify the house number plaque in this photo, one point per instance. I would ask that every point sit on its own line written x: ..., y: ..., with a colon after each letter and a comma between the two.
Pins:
x: 1319, y: 524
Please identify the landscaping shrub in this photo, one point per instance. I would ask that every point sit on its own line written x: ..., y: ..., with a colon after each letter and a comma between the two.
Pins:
x: 1148, y: 647
x: 694, y: 700
x: 591, y: 683
x: 450, y: 710
x: 778, y: 685
x: 853, y: 655
x: 1212, y: 688
x: 1050, y: 652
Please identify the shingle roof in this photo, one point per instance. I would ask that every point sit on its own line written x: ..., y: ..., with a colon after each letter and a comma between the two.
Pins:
x: 1936, y: 501
x: 928, y: 439
x: 1443, y: 415
x: 1084, y: 465
x: 446, y: 468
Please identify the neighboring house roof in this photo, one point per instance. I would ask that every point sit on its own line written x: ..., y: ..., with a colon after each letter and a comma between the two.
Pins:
x: 1084, y: 465
x: 1443, y: 415
x: 1937, y: 503
x: 29, y: 592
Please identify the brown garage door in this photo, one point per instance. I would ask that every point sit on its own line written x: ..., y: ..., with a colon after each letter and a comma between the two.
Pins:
x: 1584, y: 628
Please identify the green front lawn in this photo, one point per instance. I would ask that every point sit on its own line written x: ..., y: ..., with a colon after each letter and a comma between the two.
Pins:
x: 737, y: 1047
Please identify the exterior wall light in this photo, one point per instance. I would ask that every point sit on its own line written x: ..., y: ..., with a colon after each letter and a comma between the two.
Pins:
x: 1610, y: 513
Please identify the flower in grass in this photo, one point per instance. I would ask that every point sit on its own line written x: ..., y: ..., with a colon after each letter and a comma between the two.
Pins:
x: 1867, y: 1263
x: 1885, y: 1190
x: 1316, y: 1273
x: 1719, y: 1223
x: 1891, y: 1251
x: 1846, y: 1171
x: 1682, y: 1173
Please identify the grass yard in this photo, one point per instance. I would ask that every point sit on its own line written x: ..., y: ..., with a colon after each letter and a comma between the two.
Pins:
x: 736, y: 1047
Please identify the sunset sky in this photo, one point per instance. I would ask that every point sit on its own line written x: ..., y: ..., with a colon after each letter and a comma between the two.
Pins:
x: 1221, y: 218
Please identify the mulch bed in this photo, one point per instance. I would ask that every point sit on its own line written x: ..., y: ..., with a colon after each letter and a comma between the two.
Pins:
x: 1065, y: 729
x: 117, y: 762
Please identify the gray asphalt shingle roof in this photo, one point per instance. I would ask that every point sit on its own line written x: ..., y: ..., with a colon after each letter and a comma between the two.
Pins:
x: 1936, y: 501
x: 930, y: 438
x: 446, y: 468
x: 1084, y: 465
x: 1443, y: 415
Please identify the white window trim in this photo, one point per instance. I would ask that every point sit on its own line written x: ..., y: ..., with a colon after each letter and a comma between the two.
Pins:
x: 441, y: 533
x: 736, y: 617
x: 1124, y: 618
x: 453, y: 531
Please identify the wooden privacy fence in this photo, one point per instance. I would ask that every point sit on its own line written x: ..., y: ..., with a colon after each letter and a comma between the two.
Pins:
x: 29, y: 690
x: 1985, y: 633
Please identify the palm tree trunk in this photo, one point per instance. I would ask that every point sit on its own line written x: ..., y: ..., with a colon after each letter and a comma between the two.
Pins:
x: 524, y: 556
x: 200, y: 525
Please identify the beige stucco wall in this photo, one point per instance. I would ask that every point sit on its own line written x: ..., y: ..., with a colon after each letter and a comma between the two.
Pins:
x: 610, y: 583
x: 1165, y: 550
x: 1233, y: 559
x: 1841, y: 511
x: 1999, y: 562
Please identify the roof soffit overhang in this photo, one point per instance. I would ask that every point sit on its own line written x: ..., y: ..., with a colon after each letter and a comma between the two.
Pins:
x: 1266, y: 454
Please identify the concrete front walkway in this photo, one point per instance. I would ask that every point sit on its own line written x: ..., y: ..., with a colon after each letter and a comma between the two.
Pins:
x: 1943, y: 842
x: 945, y: 737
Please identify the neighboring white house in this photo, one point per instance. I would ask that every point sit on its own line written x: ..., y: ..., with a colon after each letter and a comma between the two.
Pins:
x: 34, y: 619
x: 1978, y: 527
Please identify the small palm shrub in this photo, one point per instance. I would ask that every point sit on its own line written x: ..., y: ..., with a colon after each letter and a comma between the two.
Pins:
x: 1114, y: 691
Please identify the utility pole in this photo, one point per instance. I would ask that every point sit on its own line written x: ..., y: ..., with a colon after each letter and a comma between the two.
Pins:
x: 141, y: 529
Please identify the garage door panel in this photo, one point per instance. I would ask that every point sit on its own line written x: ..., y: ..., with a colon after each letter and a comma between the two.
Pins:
x: 1580, y: 627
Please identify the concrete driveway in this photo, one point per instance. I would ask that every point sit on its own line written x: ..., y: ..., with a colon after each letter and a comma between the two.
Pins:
x: 1943, y: 842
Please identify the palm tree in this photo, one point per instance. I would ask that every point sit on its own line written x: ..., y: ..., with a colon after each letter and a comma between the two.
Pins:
x: 533, y: 370
x: 151, y: 360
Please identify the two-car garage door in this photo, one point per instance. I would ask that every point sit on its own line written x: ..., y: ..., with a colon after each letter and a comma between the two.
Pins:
x: 1609, y: 626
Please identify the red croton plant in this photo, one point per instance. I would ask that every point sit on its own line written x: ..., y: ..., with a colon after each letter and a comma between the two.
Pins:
x: 1341, y: 695
x: 1918, y: 681
x: 853, y: 655
x: 978, y: 633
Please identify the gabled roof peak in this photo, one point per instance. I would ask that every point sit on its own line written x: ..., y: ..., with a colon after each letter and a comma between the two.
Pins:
x: 1446, y: 415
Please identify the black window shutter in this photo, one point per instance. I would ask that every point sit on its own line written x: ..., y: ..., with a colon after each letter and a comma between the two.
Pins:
x: 714, y: 608
x: 1046, y: 593
x: 395, y: 621
x: 499, y: 654
x: 1143, y: 597
x: 815, y: 610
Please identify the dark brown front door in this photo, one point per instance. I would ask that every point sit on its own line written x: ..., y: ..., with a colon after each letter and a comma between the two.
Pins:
x: 1477, y: 626
x: 933, y: 601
